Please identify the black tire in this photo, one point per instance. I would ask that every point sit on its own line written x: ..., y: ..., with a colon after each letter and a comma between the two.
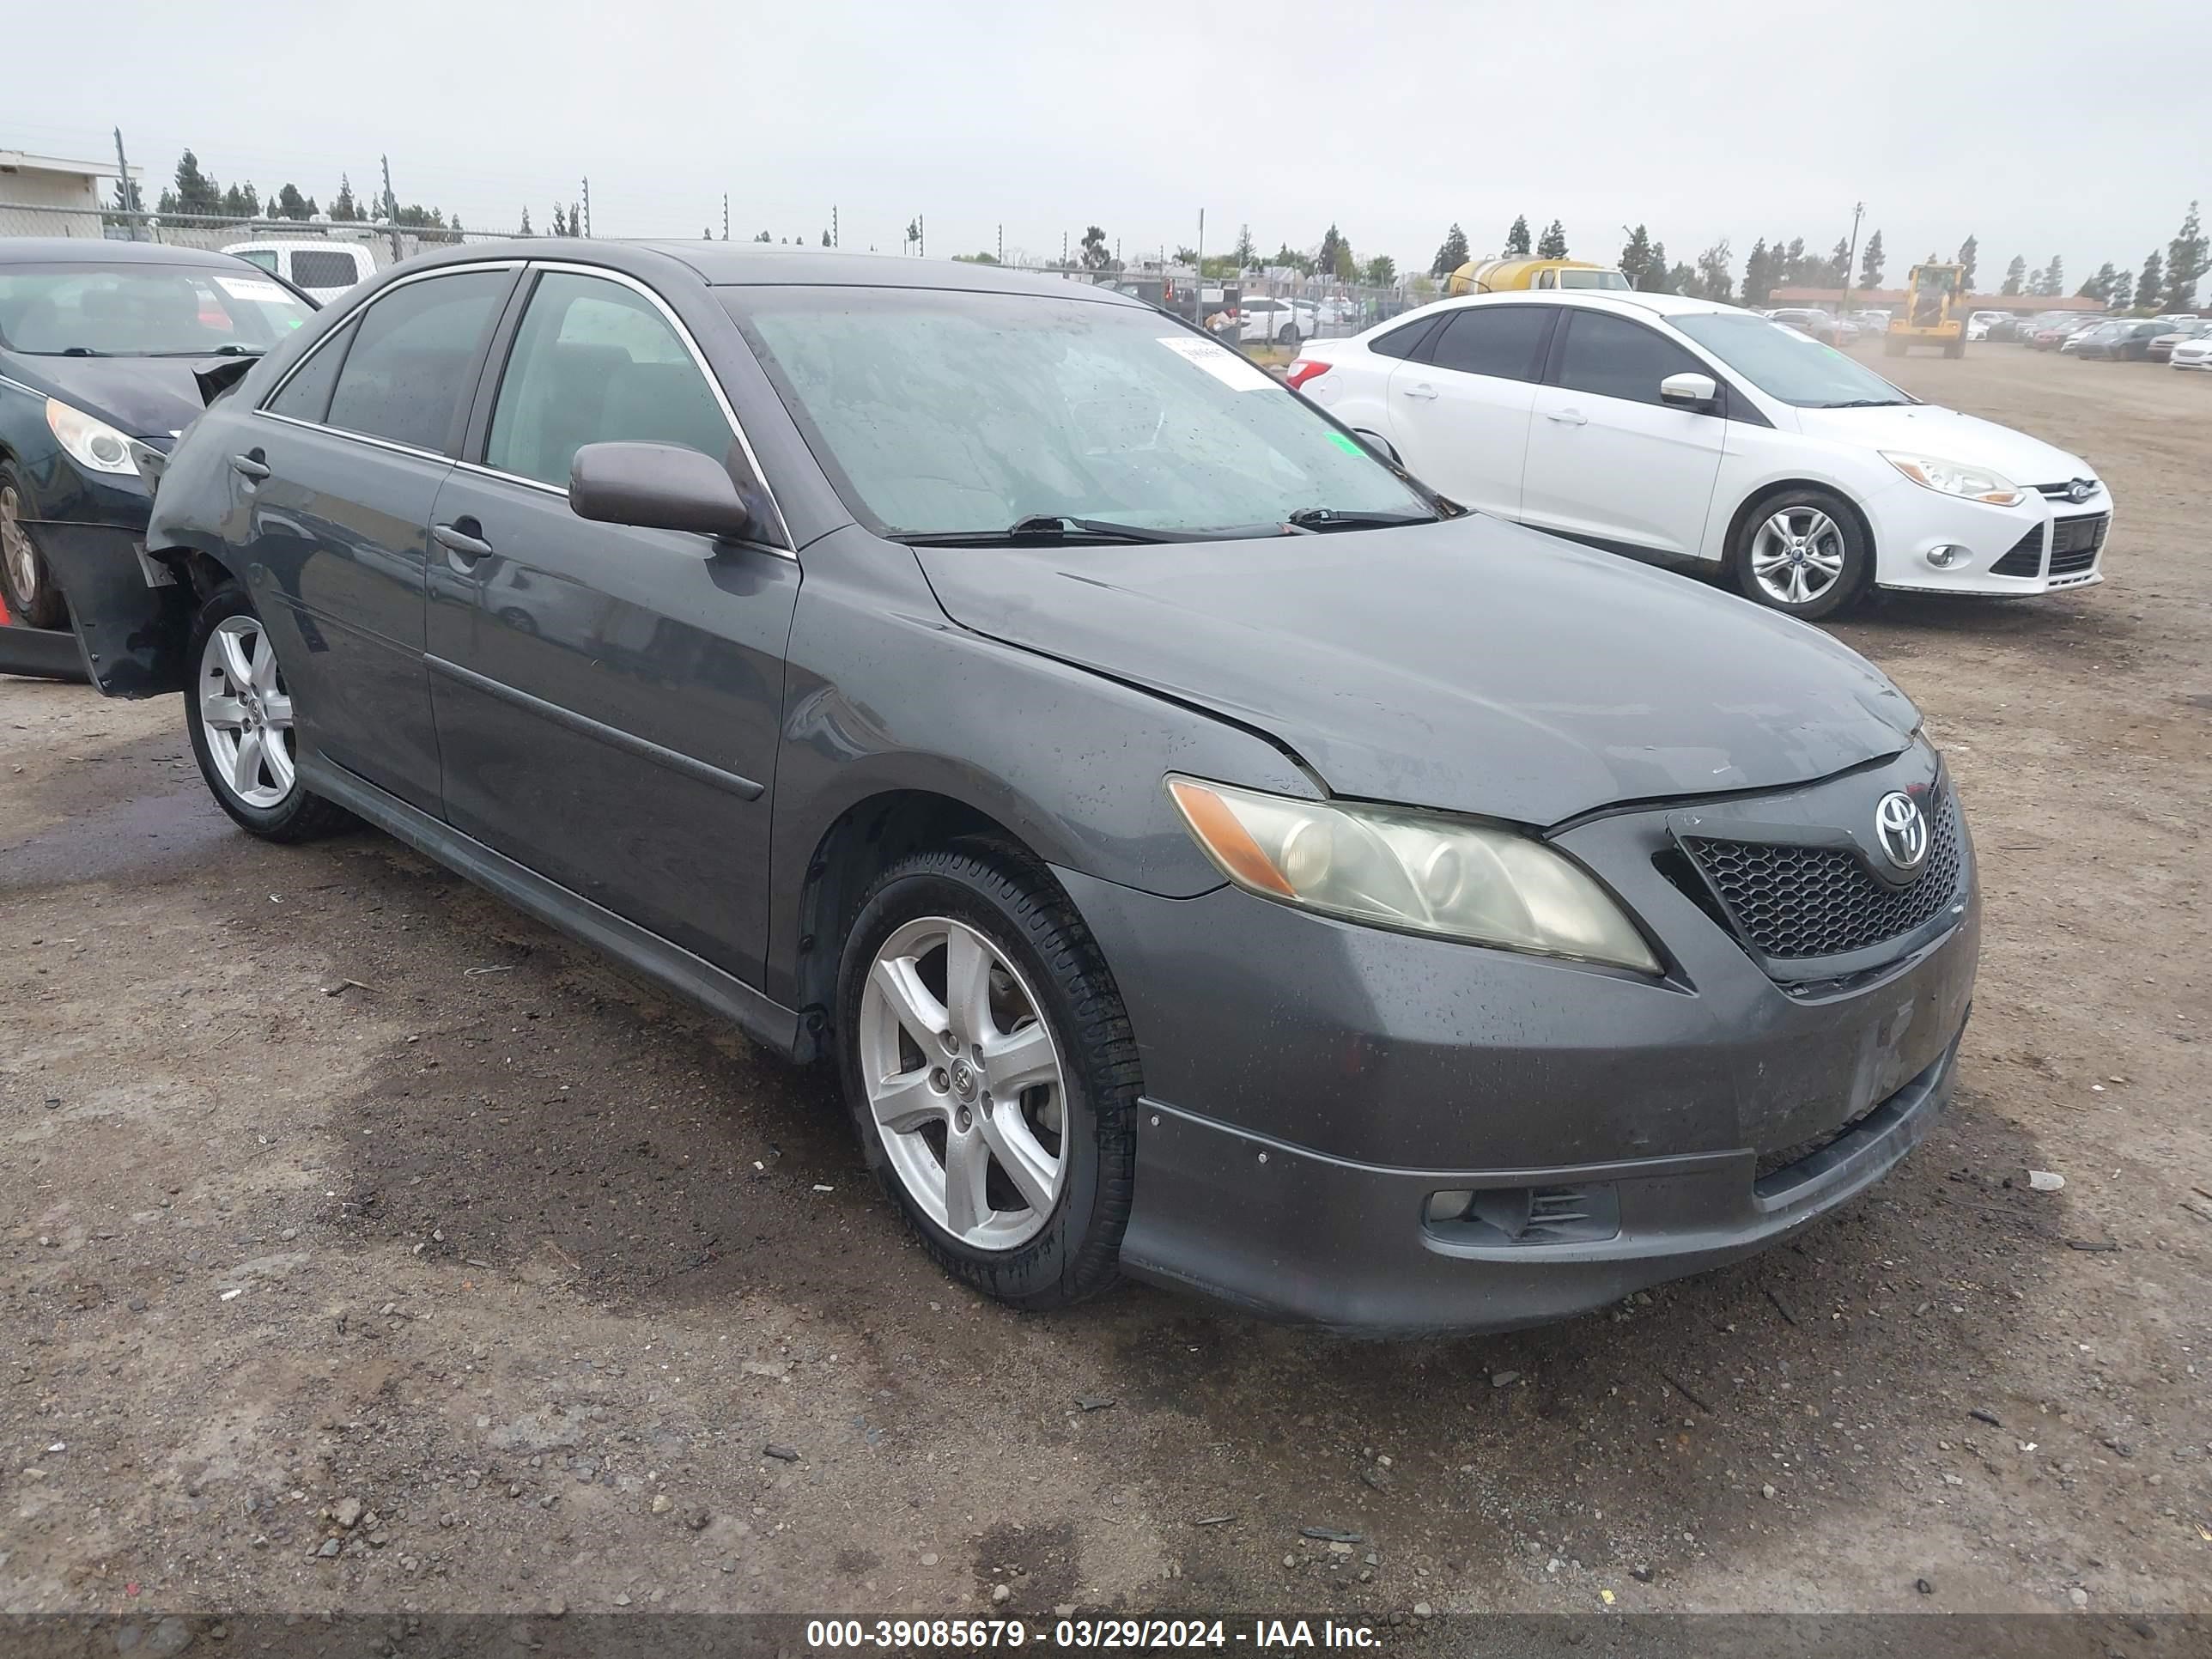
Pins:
x: 1857, y: 573
x: 1014, y: 901
x: 302, y: 815
x: 33, y: 598
x: 1288, y: 339
x: 1954, y: 347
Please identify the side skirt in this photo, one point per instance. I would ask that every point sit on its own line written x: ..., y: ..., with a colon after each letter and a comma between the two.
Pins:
x: 766, y: 1022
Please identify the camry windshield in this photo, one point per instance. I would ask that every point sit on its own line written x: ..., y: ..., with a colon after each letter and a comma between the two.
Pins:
x: 967, y: 415
x: 1785, y: 364
x: 144, y: 311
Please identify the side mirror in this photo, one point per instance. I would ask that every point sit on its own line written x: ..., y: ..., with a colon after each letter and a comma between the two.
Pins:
x: 1689, y: 390
x: 658, y: 486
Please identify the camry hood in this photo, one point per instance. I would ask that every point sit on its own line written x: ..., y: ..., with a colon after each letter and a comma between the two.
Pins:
x: 1945, y: 434
x: 1469, y: 665
x: 145, y: 397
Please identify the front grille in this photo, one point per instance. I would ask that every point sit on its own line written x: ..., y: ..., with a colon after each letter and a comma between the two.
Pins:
x: 1800, y: 902
x: 2024, y: 559
x: 2074, y: 542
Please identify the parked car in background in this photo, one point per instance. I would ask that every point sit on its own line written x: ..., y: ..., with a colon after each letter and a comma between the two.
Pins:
x: 2160, y: 348
x: 2050, y: 333
x: 1686, y: 432
x: 1871, y: 320
x: 2193, y: 353
x: 322, y: 269
x: 100, y: 343
x: 1265, y: 320
x: 1979, y: 323
x: 1004, y: 790
x: 1822, y: 326
x: 2119, y: 342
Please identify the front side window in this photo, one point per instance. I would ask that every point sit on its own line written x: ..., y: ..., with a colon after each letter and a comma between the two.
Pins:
x: 941, y: 413
x: 596, y: 362
x: 1786, y: 364
x: 1502, y: 341
x: 1611, y: 356
x: 136, y: 310
x: 263, y: 256
x: 408, y: 372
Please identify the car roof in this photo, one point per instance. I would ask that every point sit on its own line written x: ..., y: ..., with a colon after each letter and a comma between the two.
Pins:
x: 739, y: 265
x: 86, y: 249
x: 301, y: 243
x: 1602, y: 299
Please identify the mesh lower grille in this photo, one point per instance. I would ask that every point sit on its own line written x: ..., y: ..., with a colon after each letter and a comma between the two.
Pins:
x: 2025, y: 557
x: 1798, y: 902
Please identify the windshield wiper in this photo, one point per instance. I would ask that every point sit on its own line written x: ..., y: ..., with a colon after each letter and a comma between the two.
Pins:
x: 1334, y: 518
x: 228, y: 349
x: 1046, y: 526
x: 1867, y: 403
x: 79, y: 351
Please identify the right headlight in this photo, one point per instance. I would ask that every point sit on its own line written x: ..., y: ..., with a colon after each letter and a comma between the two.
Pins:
x: 1409, y: 870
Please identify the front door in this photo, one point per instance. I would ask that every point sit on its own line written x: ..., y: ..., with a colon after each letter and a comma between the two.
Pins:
x: 1608, y: 462
x: 608, y: 699
x: 337, y: 473
x: 1459, y: 415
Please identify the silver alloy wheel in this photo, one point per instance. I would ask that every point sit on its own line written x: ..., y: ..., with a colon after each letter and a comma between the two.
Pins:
x: 1798, y: 555
x: 16, y: 546
x: 965, y: 1084
x: 247, y: 713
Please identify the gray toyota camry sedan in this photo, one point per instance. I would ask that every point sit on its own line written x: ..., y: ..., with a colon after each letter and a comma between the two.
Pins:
x: 1206, y: 855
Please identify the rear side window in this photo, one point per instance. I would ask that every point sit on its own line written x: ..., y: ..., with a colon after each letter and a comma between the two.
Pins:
x: 1610, y: 356
x: 408, y: 372
x: 307, y: 395
x: 596, y: 362
x: 324, y: 267
x: 1401, y: 342
x: 1500, y: 341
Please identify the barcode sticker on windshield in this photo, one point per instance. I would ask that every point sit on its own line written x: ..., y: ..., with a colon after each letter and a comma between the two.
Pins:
x: 252, y: 288
x: 1219, y: 360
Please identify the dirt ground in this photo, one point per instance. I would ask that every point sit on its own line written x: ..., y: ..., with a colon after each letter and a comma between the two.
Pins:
x: 334, y: 1191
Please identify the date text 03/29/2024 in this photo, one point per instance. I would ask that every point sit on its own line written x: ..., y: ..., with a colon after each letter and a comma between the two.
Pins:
x: 952, y: 1635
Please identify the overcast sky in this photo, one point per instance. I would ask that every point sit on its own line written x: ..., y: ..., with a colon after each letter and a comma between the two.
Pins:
x: 1700, y: 121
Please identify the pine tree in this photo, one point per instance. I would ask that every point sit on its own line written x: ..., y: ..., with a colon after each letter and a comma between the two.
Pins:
x: 1714, y: 281
x: 2035, y: 282
x: 575, y: 219
x: 1870, y: 261
x: 1552, y: 245
x: 1247, y: 251
x: 1635, y: 255
x: 525, y: 230
x: 1836, y: 271
x: 2184, y: 263
x: 1516, y: 240
x: 2123, y: 286
x: 560, y: 221
x: 1451, y: 255
x: 2151, y: 283
x: 344, y: 209
x: 764, y: 237
x: 2015, y: 275
x: 2100, y: 287
x: 1381, y: 272
x: 1657, y: 273
x: 1325, y: 260
x: 288, y: 204
x: 826, y: 238
x: 1967, y: 251
x: 2054, y: 277
x: 1758, y: 273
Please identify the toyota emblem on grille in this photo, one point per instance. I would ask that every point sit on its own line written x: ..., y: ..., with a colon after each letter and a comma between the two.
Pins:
x: 1902, y: 829
x: 2079, y: 489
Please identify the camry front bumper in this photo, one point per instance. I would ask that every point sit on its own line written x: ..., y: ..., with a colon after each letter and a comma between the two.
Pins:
x: 1385, y: 1134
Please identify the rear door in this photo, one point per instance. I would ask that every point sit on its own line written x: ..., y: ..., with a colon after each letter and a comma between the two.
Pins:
x: 608, y: 699
x: 1460, y: 407
x: 1610, y: 464
x: 336, y: 476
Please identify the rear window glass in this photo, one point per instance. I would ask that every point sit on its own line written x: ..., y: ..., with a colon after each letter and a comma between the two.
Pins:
x: 321, y: 267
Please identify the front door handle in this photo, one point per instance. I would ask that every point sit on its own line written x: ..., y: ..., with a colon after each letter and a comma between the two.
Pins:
x: 1567, y: 416
x: 250, y: 466
x: 455, y: 537
x: 1424, y: 390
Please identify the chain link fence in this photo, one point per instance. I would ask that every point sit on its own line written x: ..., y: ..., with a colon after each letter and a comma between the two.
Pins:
x: 1276, y: 307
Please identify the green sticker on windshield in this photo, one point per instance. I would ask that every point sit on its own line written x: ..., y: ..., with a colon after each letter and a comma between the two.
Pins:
x: 1349, y: 446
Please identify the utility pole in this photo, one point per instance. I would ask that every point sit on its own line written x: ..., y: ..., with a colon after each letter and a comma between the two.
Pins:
x: 921, y: 237
x: 392, y: 210
x: 834, y: 242
x: 726, y: 216
x: 1852, y: 259
x: 587, y: 209
x: 126, y: 196
x: 1063, y: 250
x: 1200, y: 319
x: 1002, y: 245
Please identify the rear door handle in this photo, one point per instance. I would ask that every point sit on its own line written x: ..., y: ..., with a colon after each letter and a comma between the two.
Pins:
x: 1567, y: 416
x: 466, y: 547
x: 1424, y: 390
x: 250, y: 466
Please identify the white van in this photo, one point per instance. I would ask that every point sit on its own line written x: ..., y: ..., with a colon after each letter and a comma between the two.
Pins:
x: 325, y: 270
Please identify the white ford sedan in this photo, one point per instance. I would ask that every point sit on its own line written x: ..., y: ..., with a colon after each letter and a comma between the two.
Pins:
x: 1694, y: 434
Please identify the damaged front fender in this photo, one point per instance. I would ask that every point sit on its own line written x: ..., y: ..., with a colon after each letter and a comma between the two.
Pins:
x: 132, y: 617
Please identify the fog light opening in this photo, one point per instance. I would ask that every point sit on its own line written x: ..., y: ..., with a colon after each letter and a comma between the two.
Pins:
x: 1945, y: 556
x: 1449, y: 1207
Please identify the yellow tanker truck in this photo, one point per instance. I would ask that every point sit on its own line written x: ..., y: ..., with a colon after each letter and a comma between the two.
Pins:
x: 1501, y: 276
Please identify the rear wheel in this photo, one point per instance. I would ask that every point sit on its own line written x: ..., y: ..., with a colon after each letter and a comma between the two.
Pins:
x: 991, y: 1072
x: 32, y: 599
x: 239, y: 712
x: 1803, y: 553
x: 1288, y: 339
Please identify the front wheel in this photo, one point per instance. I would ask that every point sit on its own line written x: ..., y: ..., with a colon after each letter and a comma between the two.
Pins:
x: 24, y: 577
x: 1288, y: 339
x: 990, y: 1070
x: 239, y: 712
x: 1803, y: 553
